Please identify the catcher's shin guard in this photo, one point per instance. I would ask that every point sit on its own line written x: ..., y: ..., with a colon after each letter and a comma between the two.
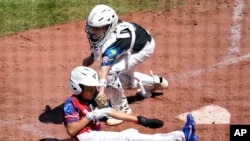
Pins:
x: 118, y: 102
x: 150, y: 84
x: 124, y: 107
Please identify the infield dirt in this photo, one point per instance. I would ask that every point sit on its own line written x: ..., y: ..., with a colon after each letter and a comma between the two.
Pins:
x: 192, y: 47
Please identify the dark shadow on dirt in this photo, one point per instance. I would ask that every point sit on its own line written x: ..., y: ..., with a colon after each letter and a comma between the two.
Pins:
x: 134, y: 98
x: 55, y: 115
x: 52, y: 115
x: 137, y: 97
x: 155, y: 94
x: 53, y: 139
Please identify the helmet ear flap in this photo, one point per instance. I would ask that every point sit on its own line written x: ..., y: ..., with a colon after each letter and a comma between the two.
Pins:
x: 75, y: 87
x: 81, y: 87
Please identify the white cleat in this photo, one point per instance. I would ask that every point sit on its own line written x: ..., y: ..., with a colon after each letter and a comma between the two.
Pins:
x: 160, y: 86
x: 161, y: 83
x: 112, y: 121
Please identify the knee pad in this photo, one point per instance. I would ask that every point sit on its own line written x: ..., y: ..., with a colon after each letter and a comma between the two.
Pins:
x: 111, y: 77
x: 114, y: 94
x: 127, y: 81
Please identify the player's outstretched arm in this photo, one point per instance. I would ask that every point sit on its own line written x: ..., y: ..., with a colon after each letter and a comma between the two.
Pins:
x: 144, y: 121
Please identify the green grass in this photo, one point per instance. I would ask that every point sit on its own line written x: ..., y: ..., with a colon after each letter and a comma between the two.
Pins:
x: 20, y: 15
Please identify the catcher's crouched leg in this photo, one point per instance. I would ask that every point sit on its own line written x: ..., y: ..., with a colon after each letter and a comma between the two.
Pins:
x: 118, y: 102
x: 151, y: 84
x: 145, y: 84
x: 124, y: 107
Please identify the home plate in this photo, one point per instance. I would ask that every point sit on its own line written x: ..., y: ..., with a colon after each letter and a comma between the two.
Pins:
x: 211, y: 114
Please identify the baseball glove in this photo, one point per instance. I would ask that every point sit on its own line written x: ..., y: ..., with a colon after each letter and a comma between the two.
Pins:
x: 102, y: 101
x: 150, y: 123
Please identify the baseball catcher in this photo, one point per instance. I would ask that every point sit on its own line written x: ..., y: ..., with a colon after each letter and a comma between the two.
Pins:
x: 121, y: 46
x: 84, y: 110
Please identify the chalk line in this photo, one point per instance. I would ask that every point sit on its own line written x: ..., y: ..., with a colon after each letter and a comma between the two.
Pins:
x: 34, y: 129
x: 234, y: 45
x: 211, y: 68
x: 213, y: 114
x: 235, y: 30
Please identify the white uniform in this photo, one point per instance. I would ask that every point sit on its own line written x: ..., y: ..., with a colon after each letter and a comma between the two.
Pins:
x: 126, y: 48
x: 75, y: 109
x: 130, y: 135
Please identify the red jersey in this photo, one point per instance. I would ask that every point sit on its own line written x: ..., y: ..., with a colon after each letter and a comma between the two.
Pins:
x: 73, y: 111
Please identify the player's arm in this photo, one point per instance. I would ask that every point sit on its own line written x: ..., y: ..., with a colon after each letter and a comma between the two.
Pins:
x: 73, y: 123
x: 74, y: 127
x: 102, y: 101
x: 122, y: 116
x: 108, y: 58
x: 144, y: 121
x: 103, y: 77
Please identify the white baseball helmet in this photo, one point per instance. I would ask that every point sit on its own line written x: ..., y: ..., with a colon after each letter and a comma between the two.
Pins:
x: 82, y: 76
x: 101, y: 15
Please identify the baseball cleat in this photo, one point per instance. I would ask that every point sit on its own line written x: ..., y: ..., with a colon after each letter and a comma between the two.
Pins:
x: 160, y: 86
x: 160, y: 82
x: 126, y: 109
x: 124, y: 106
x: 112, y: 121
x: 189, y: 129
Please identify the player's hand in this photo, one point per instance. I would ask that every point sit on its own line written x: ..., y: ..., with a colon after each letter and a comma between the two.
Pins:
x: 98, y: 114
x: 151, y: 123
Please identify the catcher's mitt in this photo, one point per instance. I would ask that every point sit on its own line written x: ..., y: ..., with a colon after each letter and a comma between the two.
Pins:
x: 102, y: 101
x: 151, y: 123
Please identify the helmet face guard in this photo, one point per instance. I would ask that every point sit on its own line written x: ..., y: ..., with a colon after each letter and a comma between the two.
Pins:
x: 101, y: 16
x: 94, y: 42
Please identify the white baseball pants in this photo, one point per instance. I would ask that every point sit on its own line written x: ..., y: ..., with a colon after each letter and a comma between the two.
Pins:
x: 125, y: 66
x: 130, y: 135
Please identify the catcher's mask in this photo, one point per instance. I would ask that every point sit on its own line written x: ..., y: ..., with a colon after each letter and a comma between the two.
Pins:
x: 101, y: 16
